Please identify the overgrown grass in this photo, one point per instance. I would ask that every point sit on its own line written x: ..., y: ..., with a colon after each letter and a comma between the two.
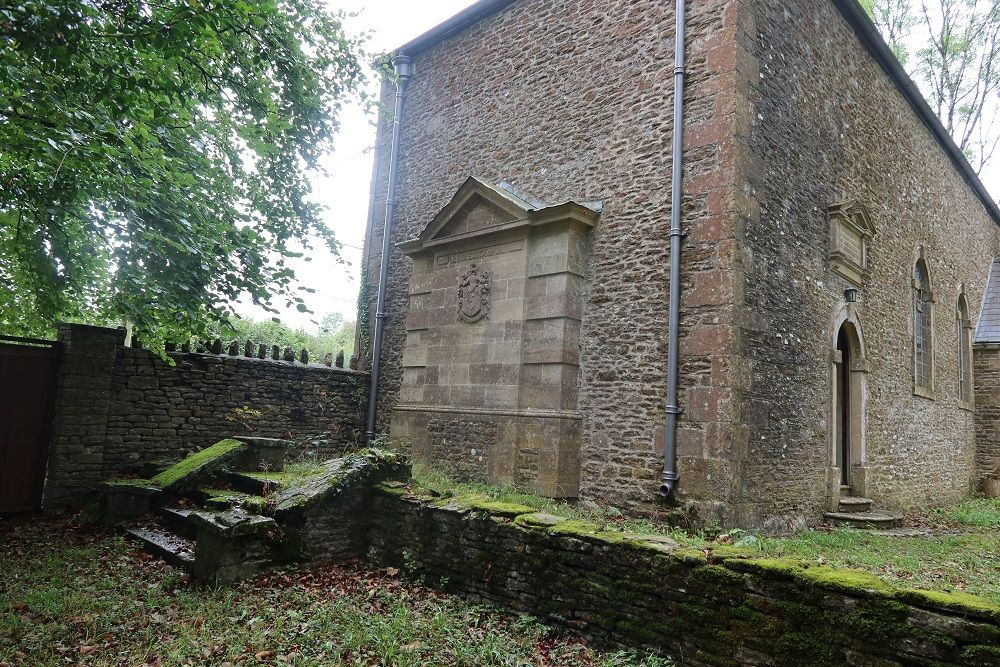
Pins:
x: 960, y: 552
x: 967, y: 562
x: 91, y: 599
x: 978, y: 512
x: 609, y: 518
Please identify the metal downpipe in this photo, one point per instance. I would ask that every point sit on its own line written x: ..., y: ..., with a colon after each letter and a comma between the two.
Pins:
x: 403, y: 66
x: 670, y: 475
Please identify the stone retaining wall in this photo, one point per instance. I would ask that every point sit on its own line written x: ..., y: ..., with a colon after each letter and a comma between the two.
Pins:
x: 720, y: 609
x: 117, y: 408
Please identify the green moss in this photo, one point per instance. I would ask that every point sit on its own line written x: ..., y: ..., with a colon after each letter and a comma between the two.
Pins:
x: 957, y: 601
x: 981, y: 655
x: 725, y: 552
x: 807, y: 649
x: 717, y: 574
x: 254, y: 504
x: 879, y: 619
x: 393, y: 489
x: 786, y: 568
x: 541, y: 520
x: 576, y: 528
x: 852, y: 582
x: 139, y: 483
x: 655, y: 544
x: 691, y: 556
x: 220, y: 493
x: 195, y: 462
x: 501, y: 509
x: 276, y: 477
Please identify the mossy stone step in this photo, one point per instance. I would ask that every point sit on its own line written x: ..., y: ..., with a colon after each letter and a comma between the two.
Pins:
x: 173, y: 548
x: 253, y: 483
x: 223, y: 499
x: 178, y: 520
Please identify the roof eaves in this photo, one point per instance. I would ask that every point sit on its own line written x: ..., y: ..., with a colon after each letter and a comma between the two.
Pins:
x: 456, y: 24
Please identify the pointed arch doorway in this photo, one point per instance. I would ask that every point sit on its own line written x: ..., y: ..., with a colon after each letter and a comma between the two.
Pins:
x: 847, y: 424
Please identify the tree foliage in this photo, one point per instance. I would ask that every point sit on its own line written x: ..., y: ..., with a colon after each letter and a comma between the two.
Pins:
x: 335, y: 335
x: 952, y: 49
x: 155, y: 154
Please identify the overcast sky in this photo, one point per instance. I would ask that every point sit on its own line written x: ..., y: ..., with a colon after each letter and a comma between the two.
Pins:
x: 345, y: 190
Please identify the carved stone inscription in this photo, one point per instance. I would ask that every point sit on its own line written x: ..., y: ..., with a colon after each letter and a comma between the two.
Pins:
x: 474, y: 295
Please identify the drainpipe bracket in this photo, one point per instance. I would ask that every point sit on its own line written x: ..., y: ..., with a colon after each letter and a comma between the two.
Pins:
x: 679, y: 232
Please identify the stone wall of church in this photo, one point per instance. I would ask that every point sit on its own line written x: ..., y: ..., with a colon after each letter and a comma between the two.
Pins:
x: 570, y: 99
x: 827, y: 124
x: 987, y: 376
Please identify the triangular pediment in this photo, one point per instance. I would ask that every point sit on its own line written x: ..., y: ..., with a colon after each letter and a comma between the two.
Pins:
x: 478, y: 206
x: 480, y: 209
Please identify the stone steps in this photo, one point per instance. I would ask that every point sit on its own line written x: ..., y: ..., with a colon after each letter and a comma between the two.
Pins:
x: 171, y: 547
x: 249, y: 484
x: 221, y: 535
x: 178, y: 520
x: 874, y: 519
x: 855, y: 505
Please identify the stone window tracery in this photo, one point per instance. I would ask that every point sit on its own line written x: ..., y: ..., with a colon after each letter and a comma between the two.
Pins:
x: 923, y: 352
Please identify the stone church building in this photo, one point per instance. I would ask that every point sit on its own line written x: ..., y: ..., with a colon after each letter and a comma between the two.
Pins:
x: 836, y: 254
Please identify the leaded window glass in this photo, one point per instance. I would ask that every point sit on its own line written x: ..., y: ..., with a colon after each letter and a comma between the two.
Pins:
x: 964, y: 350
x: 923, y: 363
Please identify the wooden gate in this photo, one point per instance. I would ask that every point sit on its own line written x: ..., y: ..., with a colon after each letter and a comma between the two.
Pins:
x: 27, y: 382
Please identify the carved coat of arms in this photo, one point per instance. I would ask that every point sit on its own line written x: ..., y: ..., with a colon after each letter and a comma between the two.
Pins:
x: 474, y: 295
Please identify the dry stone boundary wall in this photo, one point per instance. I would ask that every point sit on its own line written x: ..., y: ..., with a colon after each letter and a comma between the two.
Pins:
x: 119, y: 408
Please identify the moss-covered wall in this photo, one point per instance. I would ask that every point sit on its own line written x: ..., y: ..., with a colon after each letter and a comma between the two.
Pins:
x: 718, y: 608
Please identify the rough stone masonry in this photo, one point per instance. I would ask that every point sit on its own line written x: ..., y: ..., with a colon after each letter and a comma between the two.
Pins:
x: 810, y: 171
x: 119, y: 408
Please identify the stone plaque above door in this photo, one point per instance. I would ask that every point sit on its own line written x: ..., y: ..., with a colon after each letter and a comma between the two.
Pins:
x: 493, y: 339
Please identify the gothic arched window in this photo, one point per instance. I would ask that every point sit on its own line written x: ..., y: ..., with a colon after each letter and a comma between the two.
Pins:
x: 923, y: 353
x: 965, y: 390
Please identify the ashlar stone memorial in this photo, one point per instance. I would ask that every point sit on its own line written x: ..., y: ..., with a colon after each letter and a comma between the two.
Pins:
x: 491, y: 364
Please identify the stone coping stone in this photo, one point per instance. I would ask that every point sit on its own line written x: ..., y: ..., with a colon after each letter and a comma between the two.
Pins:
x: 232, y: 523
x: 198, y: 465
x: 135, y: 487
x: 358, y: 470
